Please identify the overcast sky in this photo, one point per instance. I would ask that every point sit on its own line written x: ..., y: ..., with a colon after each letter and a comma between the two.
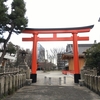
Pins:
x: 61, y: 14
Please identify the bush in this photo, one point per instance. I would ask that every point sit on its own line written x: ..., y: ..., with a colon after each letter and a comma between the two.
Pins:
x: 92, y: 57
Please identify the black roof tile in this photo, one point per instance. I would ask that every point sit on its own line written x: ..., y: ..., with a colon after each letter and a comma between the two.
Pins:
x: 81, y: 48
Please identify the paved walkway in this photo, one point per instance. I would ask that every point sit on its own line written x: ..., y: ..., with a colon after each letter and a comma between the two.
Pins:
x: 43, y: 90
x: 44, y: 78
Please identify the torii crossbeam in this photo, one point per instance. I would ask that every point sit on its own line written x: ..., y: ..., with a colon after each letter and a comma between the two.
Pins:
x: 55, y: 31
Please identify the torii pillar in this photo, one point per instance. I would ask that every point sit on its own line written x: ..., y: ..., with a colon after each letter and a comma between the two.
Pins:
x: 56, y: 31
x: 34, y: 59
x: 76, y: 58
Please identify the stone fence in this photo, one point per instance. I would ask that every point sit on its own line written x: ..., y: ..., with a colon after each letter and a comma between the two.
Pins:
x: 90, y: 79
x: 9, y: 83
x: 2, y: 70
x: 92, y: 82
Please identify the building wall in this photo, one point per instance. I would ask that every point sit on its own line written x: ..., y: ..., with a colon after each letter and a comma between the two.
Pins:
x: 60, y: 62
x: 81, y: 62
x: 71, y: 63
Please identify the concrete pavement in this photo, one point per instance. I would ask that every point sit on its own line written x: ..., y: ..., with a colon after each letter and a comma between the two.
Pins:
x: 43, y: 78
x: 42, y: 90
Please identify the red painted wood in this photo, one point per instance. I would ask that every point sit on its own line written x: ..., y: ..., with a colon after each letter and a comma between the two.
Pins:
x: 67, y: 72
x: 56, y: 39
x: 75, y: 50
x: 55, y: 31
x: 34, y: 55
x: 74, y: 38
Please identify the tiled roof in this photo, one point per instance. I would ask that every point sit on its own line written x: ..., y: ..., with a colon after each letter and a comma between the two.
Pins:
x: 81, y: 48
x: 72, y: 28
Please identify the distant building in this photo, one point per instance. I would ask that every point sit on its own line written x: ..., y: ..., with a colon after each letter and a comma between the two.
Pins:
x: 61, y: 63
x: 40, y: 53
x: 69, y: 55
x: 6, y: 58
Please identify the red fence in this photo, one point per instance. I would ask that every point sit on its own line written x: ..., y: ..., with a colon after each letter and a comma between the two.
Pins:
x: 67, y: 71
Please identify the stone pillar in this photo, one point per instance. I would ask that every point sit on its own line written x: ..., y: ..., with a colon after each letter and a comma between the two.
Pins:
x: 99, y: 85
x: 16, y: 82
x: 13, y: 83
x: 28, y: 73
x: 45, y: 80
x: 93, y: 83
x: 23, y: 79
x: 96, y: 84
x: 90, y: 81
x: 28, y: 80
x: 59, y: 80
x: 10, y: 85
x: 6, y: 85
x: 23, y: 65
x: 81, y: 81
x: 2, y: 85
x: 49, y: 80
x: 20, y: 80
x: 95, y: 71
x: 64, y: 79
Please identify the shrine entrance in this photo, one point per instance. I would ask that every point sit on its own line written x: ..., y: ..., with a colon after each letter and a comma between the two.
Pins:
x: 74, y: 31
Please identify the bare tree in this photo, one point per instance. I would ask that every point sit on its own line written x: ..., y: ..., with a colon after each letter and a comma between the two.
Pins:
x: 51, y: 58
x: 29, y: 57
x: 54, y: 52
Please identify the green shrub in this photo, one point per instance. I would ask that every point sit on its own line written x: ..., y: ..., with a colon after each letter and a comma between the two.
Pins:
x: 92, y: 57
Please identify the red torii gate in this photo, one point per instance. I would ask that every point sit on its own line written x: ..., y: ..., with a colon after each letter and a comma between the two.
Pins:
x: 55, y: 31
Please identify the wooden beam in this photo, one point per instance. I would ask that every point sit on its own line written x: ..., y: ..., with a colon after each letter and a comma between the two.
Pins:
x: 56, y: 39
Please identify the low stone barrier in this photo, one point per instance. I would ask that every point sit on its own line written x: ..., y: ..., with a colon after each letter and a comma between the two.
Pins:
x: 10, y: 83
x: 92, y: 82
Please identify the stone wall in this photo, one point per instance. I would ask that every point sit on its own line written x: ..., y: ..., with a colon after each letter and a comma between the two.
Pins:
x: 90, y: 80
x: 10, y: 83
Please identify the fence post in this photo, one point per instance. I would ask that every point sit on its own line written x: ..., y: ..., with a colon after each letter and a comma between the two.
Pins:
x: 99, y: 85
x: 96, y: 84
x: 59, y: 80
x: 45, y: 80
x: 49, y: 80
x: 64, y: 79
x: 90, y: 81
x: 0, y: 91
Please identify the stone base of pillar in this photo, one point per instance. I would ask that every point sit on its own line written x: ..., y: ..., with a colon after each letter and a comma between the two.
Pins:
x: 28, y: 81
x: 34, y: 78
x: 81, y: 82
x: 76, y: 78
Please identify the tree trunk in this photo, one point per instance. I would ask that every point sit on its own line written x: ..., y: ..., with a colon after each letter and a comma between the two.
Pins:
x: 5, y: 43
